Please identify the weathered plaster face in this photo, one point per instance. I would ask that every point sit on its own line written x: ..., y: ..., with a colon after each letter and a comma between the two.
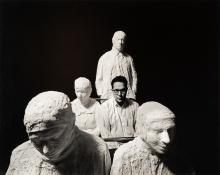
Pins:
x: 83, y: 89
x: 159, y: 135
x: 156, y: 126
x: 49, y: 122
x: 119, y: 40
x: 51, y: 137
x: 82, y: 93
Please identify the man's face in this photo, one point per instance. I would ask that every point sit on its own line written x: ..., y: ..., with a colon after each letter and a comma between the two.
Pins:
x: 82, y: 93
x: 119, y: 42
x: 119, y: 92
x: 159, y: 135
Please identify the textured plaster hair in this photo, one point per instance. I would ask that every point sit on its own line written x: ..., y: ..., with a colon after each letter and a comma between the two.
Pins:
x: 82, y: 82
x: 119, y: 33
x: 151, y: 112
x: 46, y: 106
x: 119, y: 79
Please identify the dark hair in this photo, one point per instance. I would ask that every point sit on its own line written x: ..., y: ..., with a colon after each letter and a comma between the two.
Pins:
x: 119, y: 79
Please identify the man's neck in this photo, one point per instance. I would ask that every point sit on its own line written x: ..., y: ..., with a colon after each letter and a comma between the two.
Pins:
x: 121, y: 103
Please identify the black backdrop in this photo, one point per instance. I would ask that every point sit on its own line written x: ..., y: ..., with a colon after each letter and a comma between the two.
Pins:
x: 46, y: 45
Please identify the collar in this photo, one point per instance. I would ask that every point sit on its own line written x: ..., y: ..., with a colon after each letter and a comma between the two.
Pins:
x: 116, y: 52
x: 117, y: 105
x: 146, y: 150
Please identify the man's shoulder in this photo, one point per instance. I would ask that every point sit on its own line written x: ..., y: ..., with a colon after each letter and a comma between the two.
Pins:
x: 132, y: 102
x: 107, y: 102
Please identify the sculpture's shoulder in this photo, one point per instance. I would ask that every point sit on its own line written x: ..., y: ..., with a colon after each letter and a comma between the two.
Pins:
x: 106, y: 55
x: 94, y: 102
x: 127, y: 150
x: 74, y: 102
x: 128, y: 57
x: 23, y: 148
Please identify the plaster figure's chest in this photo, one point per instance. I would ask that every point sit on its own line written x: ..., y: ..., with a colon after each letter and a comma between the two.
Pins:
x: 85, y: 118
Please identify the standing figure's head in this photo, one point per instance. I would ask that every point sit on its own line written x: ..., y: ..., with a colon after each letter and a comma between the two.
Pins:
x: 83, y: 89
x: 119, y: 88
x: 156, y: 126
x: 118, y: 40
x: 49, y: 122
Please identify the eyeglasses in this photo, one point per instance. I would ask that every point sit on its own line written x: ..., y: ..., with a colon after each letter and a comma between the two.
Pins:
x: 122, y: 91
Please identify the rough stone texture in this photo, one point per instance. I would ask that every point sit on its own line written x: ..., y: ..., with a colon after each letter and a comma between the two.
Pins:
x: 135, y: 158
x: 115, y: 63
x: 56, y: 145
x: 88, y: 155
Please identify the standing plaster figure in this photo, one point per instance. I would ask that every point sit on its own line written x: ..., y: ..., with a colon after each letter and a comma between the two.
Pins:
x: 116, y: 63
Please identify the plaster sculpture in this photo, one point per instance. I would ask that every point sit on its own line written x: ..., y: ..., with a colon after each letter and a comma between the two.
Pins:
x: 56, y: 146
x: 115, y: 63
x: 152, y: 152
x: 85, y: 107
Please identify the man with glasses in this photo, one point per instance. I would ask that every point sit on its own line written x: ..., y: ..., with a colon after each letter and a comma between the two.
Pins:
x: 118, y: 114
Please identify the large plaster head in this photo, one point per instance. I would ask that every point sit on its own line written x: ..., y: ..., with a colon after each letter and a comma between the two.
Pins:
x: 83, y: 88
x: 156, y: 125
x: 49, y: 122
x: 119, y: 89
x: 118, y: 40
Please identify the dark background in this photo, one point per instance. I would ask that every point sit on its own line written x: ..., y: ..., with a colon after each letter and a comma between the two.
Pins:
x: 174, y: 44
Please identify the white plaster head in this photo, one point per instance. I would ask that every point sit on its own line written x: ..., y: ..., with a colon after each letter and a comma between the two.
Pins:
x: 156, y: 126
x: 119, y: 89
x: 49, y: 122
x: 83, y: 89
x: 118, y: 40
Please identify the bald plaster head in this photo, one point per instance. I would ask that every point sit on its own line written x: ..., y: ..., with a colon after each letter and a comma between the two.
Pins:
x: 156, y: 126
x: 83, y: 89
x: 49, y: 122
x: 118, y: 40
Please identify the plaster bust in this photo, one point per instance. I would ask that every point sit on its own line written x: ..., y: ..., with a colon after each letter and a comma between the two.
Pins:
x: 56, y: 146
x: 153, y: 151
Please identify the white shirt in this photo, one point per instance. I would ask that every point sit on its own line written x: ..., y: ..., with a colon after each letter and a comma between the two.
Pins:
x: 118, y: 121
x: 111, y: 64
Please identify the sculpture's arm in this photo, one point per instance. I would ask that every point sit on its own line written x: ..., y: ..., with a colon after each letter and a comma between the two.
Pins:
x: 12, y: 167
x: 134, y: 76
x: 99, y: 77
x: 103, y: 122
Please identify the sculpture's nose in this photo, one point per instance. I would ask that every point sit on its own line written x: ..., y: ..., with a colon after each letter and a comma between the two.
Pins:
x: 165, y: 138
